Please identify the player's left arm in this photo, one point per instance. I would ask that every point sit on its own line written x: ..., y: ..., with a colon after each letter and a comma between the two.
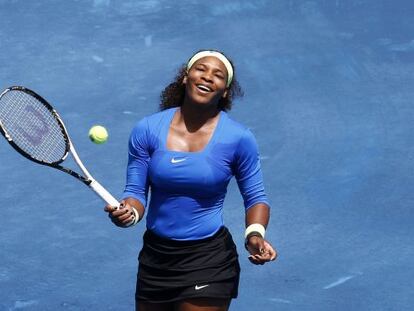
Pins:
x: 250, y: 181
x: 261, y: 251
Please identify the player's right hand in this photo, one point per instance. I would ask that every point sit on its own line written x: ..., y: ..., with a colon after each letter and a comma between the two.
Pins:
x: 121, y: 217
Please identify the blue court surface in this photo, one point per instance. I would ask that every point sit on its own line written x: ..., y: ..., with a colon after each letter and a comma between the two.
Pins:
x: 328, y: 94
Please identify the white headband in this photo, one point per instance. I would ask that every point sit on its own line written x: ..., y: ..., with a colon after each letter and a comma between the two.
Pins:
x: 218, y: 55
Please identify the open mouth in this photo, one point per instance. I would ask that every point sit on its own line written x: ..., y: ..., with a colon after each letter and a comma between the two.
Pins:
x: 204, y: 89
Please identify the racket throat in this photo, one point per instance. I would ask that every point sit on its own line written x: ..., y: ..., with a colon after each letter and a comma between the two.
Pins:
x: 87, y: 181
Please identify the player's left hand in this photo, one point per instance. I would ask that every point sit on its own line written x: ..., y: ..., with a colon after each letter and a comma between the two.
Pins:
x: 261, y: 251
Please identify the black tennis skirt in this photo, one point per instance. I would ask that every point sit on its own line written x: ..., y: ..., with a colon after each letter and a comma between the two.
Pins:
x: 172, y: 270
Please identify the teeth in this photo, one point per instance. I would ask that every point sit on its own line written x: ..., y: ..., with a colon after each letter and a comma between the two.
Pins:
x: 204, y: 88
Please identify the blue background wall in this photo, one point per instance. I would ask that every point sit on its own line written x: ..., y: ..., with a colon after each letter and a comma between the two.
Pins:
x: 328, y: 94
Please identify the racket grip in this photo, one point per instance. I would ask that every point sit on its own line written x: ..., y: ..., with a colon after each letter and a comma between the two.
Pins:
x: 104, y: 194
x: 109, y: 199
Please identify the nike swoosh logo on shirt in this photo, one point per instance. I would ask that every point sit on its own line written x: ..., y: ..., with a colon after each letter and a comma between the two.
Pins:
x: 200, y: 287
x: 174, y: 160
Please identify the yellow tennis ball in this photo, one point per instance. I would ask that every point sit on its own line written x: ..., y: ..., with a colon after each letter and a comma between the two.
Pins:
x: 98, y: 134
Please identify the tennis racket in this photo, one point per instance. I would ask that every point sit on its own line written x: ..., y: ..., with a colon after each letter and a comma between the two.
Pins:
x: 35, y: 130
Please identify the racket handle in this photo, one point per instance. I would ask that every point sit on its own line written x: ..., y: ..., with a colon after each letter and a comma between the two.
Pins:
x: 109, y: 199
x: 104, y: 194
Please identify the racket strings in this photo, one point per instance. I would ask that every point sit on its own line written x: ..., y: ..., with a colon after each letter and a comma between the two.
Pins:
x: 32, y: 126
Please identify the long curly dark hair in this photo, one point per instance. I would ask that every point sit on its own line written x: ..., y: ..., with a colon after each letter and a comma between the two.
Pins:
x: 173, y: 94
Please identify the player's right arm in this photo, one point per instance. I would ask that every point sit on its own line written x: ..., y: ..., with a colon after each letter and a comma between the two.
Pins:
x: 135, y: 195
x: 125, y: 214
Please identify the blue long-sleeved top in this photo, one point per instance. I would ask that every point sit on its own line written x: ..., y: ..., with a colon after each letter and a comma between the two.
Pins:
x: 188, y: 188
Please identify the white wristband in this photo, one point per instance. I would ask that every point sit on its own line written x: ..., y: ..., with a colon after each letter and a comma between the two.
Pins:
x: 255, y: 228
x: 136, y: 218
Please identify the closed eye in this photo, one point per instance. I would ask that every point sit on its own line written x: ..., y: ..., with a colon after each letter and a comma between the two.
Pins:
x: 220, y: 76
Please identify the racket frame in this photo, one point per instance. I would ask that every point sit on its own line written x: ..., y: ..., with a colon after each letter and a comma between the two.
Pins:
x: 87, y: 179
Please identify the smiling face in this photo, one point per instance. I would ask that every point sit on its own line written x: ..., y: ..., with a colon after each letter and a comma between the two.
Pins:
x: 206, y: 81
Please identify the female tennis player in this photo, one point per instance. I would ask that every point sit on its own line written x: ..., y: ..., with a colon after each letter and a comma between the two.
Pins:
x: 186, y: 155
